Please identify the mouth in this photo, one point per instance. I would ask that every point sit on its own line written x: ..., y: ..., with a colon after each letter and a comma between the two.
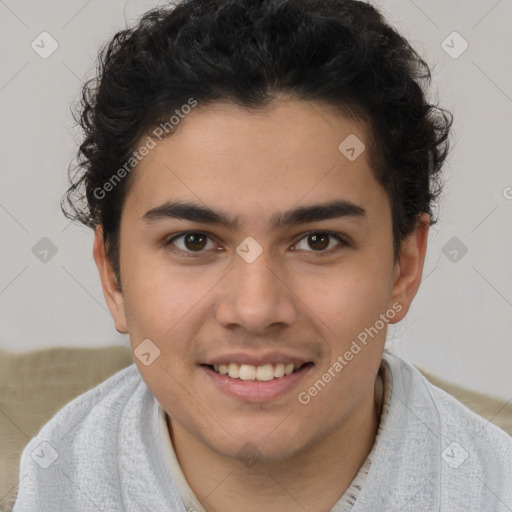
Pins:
x: 261, y: 373
x: 256, y: 384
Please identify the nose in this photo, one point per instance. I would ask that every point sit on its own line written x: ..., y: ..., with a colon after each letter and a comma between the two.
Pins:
x: 256, y: 296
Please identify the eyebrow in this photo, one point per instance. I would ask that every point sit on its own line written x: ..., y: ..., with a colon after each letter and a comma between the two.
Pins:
x: 301, y: 215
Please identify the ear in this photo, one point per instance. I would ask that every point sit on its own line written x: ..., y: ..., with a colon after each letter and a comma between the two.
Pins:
x: 409, y: 267
x: 113, y: 295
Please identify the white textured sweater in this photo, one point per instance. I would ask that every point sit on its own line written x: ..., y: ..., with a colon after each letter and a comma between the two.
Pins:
x: 105, y: 452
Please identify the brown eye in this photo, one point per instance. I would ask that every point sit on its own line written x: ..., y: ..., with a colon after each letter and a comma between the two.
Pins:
x: 191, y: 243
x: 195, y: 241
x: 320, y: 242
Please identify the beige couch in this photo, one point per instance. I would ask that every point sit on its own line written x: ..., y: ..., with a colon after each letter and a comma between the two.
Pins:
x: 35, y: 385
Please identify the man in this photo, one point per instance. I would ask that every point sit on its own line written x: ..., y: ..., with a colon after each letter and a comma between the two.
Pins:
x: 260, y: 175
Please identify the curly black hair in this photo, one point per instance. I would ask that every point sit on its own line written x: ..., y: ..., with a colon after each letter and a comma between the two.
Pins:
x: 250, y: 52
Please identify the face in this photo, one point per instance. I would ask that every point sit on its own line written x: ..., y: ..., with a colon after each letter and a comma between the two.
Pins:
x: 278, y: 283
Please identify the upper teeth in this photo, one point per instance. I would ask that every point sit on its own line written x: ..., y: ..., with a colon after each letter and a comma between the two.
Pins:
x: 249, y: 372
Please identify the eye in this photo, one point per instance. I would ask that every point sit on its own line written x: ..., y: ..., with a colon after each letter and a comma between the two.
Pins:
x: 193, y: 242
x: 319, y: 242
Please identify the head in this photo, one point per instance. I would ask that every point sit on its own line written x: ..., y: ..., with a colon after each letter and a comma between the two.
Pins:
x: 261, y: 177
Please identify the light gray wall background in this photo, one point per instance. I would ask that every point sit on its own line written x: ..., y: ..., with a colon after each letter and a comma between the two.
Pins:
x: 460, y: 323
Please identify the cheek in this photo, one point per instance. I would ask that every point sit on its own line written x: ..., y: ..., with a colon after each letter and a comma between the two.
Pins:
x: 161, y: 305
x: 349, y: 297
x: 350, y: 306
x: 158, y: 296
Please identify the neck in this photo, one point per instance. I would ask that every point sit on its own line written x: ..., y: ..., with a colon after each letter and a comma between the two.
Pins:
x: 314, y: 479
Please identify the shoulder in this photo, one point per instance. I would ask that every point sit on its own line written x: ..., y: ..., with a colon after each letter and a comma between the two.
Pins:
x: 101, y: 401
x: 79, y: 444
x: 474, y: 456
x: 453, y: 415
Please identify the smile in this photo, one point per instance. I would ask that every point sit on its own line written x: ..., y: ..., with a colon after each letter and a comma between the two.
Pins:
x: 264, y: 373
x: 261, y: 383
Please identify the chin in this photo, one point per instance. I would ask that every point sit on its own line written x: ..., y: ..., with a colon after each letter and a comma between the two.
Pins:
x: 264, y: 442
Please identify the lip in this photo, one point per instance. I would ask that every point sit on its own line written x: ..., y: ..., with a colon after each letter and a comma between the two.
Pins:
x: 253, y: 390
x: 259, y: 359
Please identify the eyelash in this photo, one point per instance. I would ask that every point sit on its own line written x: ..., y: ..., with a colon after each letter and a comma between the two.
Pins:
x: 194, y: 254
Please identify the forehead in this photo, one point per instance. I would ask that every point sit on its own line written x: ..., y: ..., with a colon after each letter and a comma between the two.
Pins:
x: 258, y: 163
